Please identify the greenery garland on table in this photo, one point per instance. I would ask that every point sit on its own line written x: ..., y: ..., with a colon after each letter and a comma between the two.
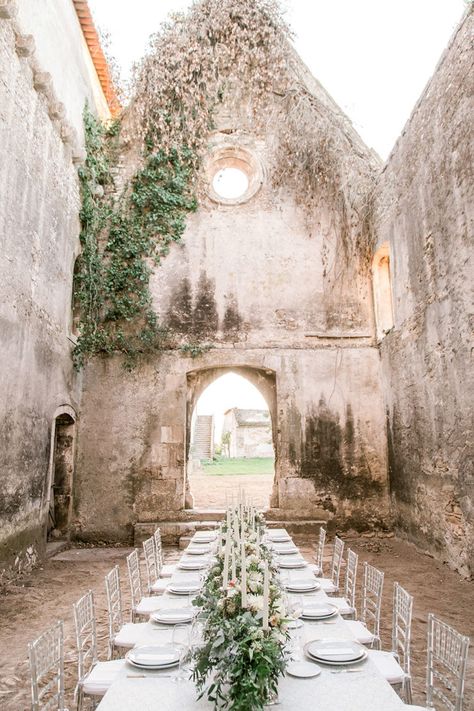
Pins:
x: 238, y: 660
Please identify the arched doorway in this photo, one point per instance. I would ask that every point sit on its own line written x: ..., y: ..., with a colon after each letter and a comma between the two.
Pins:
x: 61, y: 473
x: 231, y: 436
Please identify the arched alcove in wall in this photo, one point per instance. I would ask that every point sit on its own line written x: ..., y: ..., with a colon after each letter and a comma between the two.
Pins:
x: 61, y: 472
x: 246, y: 452
x: 382, y: 289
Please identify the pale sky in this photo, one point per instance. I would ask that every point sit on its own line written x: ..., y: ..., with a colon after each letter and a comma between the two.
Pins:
x: 373, y: 56
x: 230, y: 390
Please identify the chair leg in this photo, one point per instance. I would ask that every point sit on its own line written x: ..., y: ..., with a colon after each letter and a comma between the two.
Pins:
x: 80, y: 698
x: 407, y: 690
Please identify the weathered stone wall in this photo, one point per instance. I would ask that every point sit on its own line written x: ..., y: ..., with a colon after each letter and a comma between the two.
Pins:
x: 425, y: 211
x: 283, y: 300
x: 39, y: 230
x: 329, y: 436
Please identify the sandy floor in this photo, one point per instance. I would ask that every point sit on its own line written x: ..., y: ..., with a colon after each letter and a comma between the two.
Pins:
x: 210, y: 491
x: 27, y: 608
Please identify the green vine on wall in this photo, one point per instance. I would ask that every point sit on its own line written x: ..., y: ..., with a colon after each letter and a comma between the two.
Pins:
x: 121, y: 238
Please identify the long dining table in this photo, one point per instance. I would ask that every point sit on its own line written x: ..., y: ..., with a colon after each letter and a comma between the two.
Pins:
x: 356, y: 688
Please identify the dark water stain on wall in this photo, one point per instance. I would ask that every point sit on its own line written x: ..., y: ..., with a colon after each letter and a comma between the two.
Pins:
x: 205, y: 317
x: 332, y: 455
x: 180, y: 312
x: 232, y: 322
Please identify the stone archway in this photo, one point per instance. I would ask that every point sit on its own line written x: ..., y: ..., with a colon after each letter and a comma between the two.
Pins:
x: 264, y: 379
x: 61, y: 472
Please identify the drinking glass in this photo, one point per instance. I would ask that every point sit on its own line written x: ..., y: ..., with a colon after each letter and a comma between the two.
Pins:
x: 180, y: 640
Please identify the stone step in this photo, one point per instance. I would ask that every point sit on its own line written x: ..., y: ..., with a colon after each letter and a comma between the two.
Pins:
x: 299, y: 527
x: 55, y: 547
x: 205, y: 514
x: 171, y: 531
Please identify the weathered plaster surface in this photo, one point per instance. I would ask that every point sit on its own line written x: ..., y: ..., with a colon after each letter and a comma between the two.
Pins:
x: 268, y: 284
x: 425, y: 211
x: 39, y: 228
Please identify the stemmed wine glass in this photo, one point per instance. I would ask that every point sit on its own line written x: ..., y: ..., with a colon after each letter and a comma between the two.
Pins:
x: 181, y: 641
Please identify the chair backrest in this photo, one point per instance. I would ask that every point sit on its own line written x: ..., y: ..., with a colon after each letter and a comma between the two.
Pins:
x: 351, y: 577
x: 447, y: 661
x: 372, y: 599
x: 134, y: 577
x: 86, y: 634
x: 114, y: 603
x: 320, y: 552
x: 401, y: 625
x: 158, y: 550
x: 336, y: 561
x: 46, y: 656
x: 152, y: 571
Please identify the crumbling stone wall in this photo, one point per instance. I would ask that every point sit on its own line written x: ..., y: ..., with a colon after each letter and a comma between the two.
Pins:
x: 270, y: 286
x: 39, y: 228
x: 425, y: 211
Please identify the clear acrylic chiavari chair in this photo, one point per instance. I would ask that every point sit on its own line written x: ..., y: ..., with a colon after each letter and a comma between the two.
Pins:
x: 94, y: 677
x: 318, y: 567
x: 165, y: 570
x: 46, y: 656
x: 121, y: 635
x: 331, y: 585
x: 395, y: 665
x: 346, y: 604
x: 367, y: 629
x: 141, y: 605
x: 447, y: 661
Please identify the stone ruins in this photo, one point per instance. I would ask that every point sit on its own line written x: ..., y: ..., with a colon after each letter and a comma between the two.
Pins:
x: 365, y: 362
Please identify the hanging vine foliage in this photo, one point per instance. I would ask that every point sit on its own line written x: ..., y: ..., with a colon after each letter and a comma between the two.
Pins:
x: 121, y: 237
x: 218, y: 51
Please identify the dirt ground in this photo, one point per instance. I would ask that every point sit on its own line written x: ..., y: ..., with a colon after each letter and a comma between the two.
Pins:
x: 210, y: 492
x: 47, y: 594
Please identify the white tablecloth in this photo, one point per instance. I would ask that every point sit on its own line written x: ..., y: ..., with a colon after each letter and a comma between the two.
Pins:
x: 365, y: 690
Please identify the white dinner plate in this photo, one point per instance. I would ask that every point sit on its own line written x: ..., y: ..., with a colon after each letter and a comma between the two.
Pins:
x: 183, y: 588
x: 173, y: 616
x: 301, y: 586
x: 291, y: 563
x: 192, y: 564
x: 279, y: 537
x: 208, y: 538
x: 153, y: 657
x: 285, y: 550
x: 303, y: 670
x: 197, y: 550
x: 335, y: 651
x: 294, y: 624
x: 319, y: 611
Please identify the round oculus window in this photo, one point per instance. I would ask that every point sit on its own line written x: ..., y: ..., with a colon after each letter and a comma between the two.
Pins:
x: 230, y: 183
x: 234, y: 174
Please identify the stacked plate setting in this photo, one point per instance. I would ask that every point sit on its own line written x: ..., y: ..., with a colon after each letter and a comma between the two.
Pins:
x: 335, y: 652
x: 197, y: 548
x: 189, y: 588
x: 204, y: 537
x: 153, y: 657
x: 278, y: 536
x: 285, y: 549
x: 173, y: 616
x: 304, y: 585
x: 319, y: 611
x: 193, y: 564
x: 291, y: 562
